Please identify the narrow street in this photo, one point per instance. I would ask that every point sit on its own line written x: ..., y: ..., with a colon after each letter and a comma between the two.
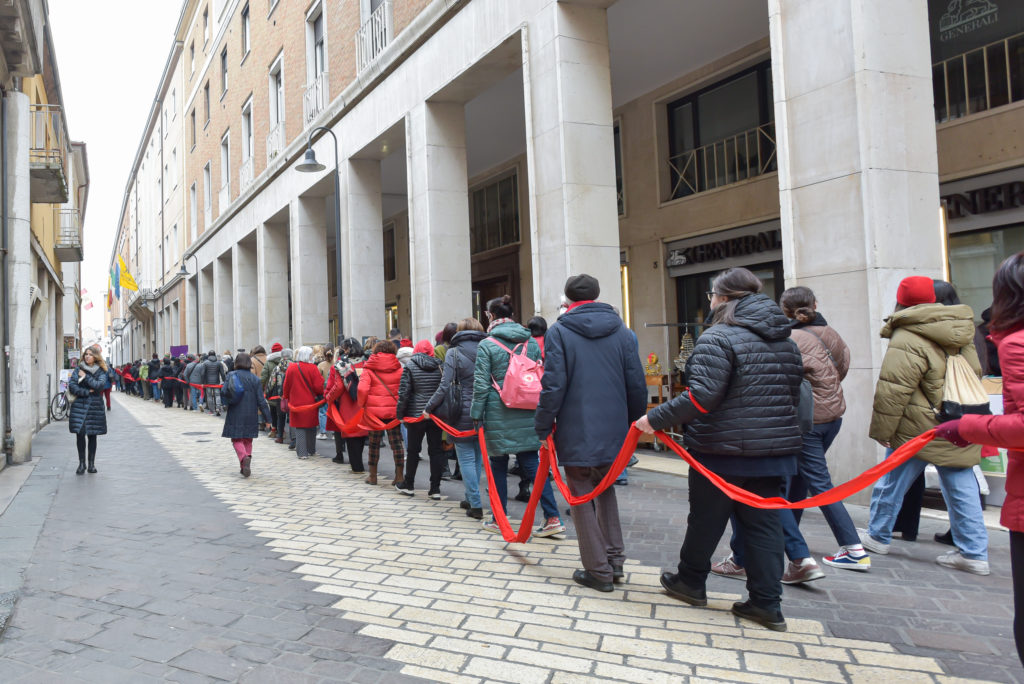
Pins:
x: 166, y: 565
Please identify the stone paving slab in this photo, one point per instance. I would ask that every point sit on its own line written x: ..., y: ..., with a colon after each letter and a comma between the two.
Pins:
x: 415, y: 585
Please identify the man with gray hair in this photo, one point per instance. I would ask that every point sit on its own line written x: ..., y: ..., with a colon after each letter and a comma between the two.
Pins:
x: 593, y: 388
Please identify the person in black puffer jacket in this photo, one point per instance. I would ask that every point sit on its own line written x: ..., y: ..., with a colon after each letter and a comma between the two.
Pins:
x: 154, y: 374
x: 167, y: 382
x: 740, y: 410
x: 86, y: 417
x: 460, y: 367
x: 213, y: 374
x: 420, y: 379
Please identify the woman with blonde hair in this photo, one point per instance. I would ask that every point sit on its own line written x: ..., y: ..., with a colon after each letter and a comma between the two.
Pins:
x: 87, y: 417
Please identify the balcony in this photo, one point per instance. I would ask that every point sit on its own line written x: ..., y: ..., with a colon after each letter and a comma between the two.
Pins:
x: 69, y: 235
x: 246, y: 174
x: 275, y: 141
x: 979, y: 80
x: 48, y: 155
x: 745, y: 155
x: 224, y: 197
x: 373, y: 36
x: 315, y: 98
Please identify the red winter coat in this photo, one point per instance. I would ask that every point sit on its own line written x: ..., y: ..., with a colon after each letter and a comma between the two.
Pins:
x: 338, y: 394
x: 1006, y: 430
x: 297, y: 391
x: 378, y: 386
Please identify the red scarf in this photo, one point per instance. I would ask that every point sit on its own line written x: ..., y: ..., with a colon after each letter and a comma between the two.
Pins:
x: 575, y: 304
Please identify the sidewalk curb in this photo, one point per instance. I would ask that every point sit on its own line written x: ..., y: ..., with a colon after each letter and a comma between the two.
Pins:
x: 21, y: 523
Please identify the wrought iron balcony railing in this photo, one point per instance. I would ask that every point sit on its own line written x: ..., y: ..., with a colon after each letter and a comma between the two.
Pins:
x: 48, y: 154
x: 723, y: 162
x: 315, y: 98
x: 275, y: 141
x: 374, y: 35
x: 979, y: 80
x: 68, y: 247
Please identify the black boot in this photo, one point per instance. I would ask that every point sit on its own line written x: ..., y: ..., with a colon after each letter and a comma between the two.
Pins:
x: 81, y: 465
x: 524, y: 492
x: 92, y: 464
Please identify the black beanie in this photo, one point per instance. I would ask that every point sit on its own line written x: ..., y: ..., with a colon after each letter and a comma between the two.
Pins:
x: 582, y: 288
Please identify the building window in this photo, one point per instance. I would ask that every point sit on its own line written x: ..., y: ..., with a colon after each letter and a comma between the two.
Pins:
x: 173, y: 105
x: 206, y: 25
x: 206, y: 101
x: 192, y: 57
x: 247, y: 146
x: 390, y: 268
x: 723, y: 133
x: 174, y: 244
x: 207, y: 187
x: 192, y: 128
x: 620, y: 192
x: 245, y: 31
x: 225, y: 160
x: 193, y: 213
x: 224, y: 71
x: 277, y: 92
x: 494, y: 214
x: 174, y: 168
x: 317, y: 57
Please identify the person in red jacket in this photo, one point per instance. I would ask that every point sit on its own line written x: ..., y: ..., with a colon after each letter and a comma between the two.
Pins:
x: 303, y: 386
x: 378, y: 397
x: 1007, y: 430
x: 342, y: 384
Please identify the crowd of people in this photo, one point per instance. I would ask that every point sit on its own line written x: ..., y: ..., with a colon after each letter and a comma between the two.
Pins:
x: 763, y: 404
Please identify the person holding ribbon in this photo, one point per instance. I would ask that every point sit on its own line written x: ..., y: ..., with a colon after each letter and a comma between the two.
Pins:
x: 420, y: 379
x: 1007, y: 431
x: 378, y: 398
x: 740, y: 409
x: 922, y: 335
x: 508, y: 430
x: 342, y: 392
x: 593, y: 388
x: 303, y: 388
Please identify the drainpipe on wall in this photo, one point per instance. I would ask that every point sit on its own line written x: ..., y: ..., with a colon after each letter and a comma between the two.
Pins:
x: 8, y: 445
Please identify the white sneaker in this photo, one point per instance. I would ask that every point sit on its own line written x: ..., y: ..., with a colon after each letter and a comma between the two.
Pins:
x: 872, y: 544
x: 955, y: 560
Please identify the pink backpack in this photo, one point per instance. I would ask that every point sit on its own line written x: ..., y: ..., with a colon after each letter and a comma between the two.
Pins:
x: 522, y: 379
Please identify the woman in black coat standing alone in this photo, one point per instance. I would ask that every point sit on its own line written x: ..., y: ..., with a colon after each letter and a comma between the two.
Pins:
x: 243, y: 398
x: 743, y: 382
x: 87, y: 417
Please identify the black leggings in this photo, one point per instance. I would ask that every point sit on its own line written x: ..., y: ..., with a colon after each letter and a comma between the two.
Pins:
x: 81, y: 446
x: 1017, y: 571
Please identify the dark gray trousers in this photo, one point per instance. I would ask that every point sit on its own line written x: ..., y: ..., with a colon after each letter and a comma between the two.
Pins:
x: 597, y: 522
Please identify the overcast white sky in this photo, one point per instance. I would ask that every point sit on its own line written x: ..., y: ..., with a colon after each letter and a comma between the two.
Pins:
x: 110, y: 54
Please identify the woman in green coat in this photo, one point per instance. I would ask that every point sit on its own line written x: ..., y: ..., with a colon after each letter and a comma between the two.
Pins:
x: 922, y: 334
x: 508, y: 430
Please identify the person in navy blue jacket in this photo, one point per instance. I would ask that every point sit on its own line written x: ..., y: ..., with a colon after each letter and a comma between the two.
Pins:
x: 87, y: 418
x: 593, y: 389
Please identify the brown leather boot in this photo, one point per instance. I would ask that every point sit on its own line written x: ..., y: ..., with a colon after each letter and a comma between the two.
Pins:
x: 399, y: 474
x: 372, y: 477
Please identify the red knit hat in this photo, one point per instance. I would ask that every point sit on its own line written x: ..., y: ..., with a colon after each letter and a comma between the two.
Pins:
x: 276, y: 347
x: 405, y: 342
x: 915, y: 290
x: 424, y: 347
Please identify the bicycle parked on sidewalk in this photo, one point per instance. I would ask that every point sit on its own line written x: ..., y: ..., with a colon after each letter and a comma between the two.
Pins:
x: 59, y: 406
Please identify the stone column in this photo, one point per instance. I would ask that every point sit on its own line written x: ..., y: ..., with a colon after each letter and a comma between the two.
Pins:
x: 19, y: 275
x: 570, y: 153
x: 272, y: 284
x: 308, y: 244
x: 224, y: 313
x: 440, y: 269
x: 362, y: 248
x: 207, y: 308
x: 244, y: 299
x: 858, y: 175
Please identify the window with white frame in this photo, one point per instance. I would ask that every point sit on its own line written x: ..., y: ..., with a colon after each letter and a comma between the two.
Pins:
x: 174, y: 168
x: 225, y: 160
x: 206, y: 25
x: 173, y: 105
x: 206, y: 101
x: 207, y: 187
x: 316, y: 58
x: 277, y: 92
x: 245, y: 30
x: 193, y: 213
x: 223, y: 71
x: 192, y: 57
x: 247, y: 144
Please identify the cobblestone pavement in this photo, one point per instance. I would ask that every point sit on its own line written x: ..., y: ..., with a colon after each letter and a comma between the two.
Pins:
x: 167, y: 564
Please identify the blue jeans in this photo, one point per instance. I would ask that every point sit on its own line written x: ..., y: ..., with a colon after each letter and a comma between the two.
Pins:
x: 156, y: 391
x: 814, y: 478
x: 959, y: 489
x: 472, y: 466
x: 528, y: 461
x: 194, y: 397
x: 323, y: 419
